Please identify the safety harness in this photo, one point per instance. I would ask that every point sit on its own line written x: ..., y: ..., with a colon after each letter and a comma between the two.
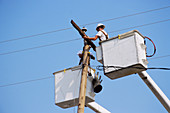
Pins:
x: 105, y: 35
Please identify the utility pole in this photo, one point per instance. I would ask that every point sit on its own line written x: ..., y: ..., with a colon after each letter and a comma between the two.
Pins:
x: 82, y: 93
x: 86, y: 60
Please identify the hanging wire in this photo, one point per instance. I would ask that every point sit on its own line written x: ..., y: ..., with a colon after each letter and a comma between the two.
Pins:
x: 139, y: 26
x: 101, y: 67
x: 35, y: 35
x: 154, y: 48
x: 40, y: 46
x: 78, y: 38
x: 159, y: 57
x: 127, y: 16
x: 27, y: 81
x: 49, y: 32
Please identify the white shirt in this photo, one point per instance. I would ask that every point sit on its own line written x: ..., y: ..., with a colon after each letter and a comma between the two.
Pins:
x: 101, y: 35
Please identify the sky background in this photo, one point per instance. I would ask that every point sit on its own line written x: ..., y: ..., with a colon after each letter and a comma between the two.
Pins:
x: 20, y: 18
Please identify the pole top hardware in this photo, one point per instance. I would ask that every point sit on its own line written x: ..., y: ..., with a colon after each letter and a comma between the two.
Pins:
x: 82, y: 33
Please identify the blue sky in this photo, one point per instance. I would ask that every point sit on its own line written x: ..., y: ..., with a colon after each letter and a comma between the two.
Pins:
x: 20, y: 18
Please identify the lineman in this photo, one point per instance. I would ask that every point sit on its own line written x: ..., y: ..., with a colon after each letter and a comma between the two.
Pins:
x: 102, y: 35
x: 80, y: 54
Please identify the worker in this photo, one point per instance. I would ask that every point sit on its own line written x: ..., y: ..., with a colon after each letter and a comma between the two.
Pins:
x: 102, y: 35
x: 80, y: 54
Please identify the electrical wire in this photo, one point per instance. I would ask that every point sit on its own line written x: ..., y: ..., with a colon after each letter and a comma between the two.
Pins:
x: 80, y: 38
x: 35, y: 35
x: 127, y: 15
x: 101, y: 67
x: 40, y: 46
x: 154, y: 47
x: 159, y: 57
x: 140, y: 25
x: 162, y: 68
x: 83, y: 25
x: 33, y: 80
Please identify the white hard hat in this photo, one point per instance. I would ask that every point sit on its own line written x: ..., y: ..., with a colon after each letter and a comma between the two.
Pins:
x: 100, y: 25
x: 84, y: 29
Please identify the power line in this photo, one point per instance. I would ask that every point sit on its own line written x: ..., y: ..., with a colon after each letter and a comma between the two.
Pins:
x: 140, y: 25
x: 128, y: 15
x: 84, y: 25
x: 80, y: 38
x: 160, y: 57
x: 39, y: 46
x: 101, y: 67
x: 35, y: 35
x: 147, y: 59
x: 33, y: 80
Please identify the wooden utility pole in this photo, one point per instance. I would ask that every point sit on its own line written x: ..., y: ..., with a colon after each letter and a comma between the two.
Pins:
x: 83, y: 84
x: 85, y: 63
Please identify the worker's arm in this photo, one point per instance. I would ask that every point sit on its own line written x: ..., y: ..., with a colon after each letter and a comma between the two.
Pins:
x: 91, y: 38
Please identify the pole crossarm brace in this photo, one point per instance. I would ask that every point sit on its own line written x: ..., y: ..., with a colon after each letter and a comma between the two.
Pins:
x: 97, y: 108
x: 155, y: 89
